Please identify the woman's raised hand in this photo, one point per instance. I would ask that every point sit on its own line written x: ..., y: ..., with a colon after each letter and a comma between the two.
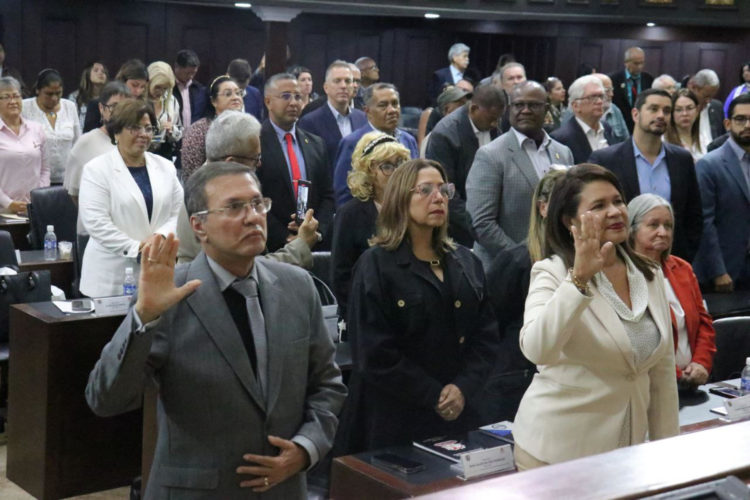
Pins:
x: 590, y: 253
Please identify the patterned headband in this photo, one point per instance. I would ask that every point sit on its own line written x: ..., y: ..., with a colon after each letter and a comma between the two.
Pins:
x: 383, y: 139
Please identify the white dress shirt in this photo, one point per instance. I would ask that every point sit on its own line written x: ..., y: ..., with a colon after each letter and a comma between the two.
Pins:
x: 482, y: 136
x: 539, y: 156
x: 705, y: 129
x: 344, y: 122
x: 457, y: 75
x: 595, y: 137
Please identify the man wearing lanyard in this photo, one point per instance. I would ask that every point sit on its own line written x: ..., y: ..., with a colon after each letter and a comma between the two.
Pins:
x: 630, y: 82
x: 291, y: 154
x: 506, y: 171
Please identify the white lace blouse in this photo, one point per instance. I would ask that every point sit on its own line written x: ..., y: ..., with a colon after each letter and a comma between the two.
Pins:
x: 60, y: 139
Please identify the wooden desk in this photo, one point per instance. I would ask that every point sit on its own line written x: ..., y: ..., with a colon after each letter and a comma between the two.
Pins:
x: 56, y: 446
x: 61, y: 271
x: 354, y: 477
x: 633, y: 472
x: 18, y: 230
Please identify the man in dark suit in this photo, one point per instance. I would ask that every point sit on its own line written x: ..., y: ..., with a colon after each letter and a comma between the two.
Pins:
x: 645, y: 164
x: 291, y: 154
x: 705, y: 84
x: 10, y: 71
x: 458, y: 56
x: 240, y: 71
x: 335, y: 119
x: 630, y: 82
x: 248, y: 388
x: 454, y: 142
x: 585, y: 131
x: 185, y: 67
x: 383, y: 108
x: 723, y: 260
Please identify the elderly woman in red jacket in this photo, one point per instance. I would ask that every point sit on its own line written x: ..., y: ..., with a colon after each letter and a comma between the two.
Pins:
x: 651, y: 232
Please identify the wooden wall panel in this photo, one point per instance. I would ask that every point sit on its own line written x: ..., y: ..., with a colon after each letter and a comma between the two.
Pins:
x: 137, y: 37
x: 591, y: 53
x: 60, y: 44
x: 68, y: 34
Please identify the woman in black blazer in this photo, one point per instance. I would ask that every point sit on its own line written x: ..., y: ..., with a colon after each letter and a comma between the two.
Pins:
x: 375, y: 158
x: 423, y: 332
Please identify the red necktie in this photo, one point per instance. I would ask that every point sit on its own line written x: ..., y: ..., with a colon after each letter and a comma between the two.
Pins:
x: 293, y: 162
x: 634, y: 90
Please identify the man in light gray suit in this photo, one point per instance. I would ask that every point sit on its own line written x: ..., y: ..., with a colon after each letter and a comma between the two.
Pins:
x: 506, y: 171
x: 248, y: 389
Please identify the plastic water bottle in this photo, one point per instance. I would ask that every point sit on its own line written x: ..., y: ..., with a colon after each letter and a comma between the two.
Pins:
x: 129, y: 285
x: 50, y: 244
x: 745, y: 378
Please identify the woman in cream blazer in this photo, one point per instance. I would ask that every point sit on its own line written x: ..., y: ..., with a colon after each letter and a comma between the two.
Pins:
x: 113, y: 207
x: 597, y: 326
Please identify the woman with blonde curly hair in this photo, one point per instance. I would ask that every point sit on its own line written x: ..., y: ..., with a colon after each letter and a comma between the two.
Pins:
x: 161, y: 81
x: 375, y: 158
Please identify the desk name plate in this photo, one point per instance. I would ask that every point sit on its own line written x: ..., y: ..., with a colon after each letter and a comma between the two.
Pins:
x: 738, y: 408
x: 483, y: 462
x: 112, y: 306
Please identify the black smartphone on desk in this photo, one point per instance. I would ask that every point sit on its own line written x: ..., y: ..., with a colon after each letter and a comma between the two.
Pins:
x: 397, y: 463
x: 725, y: 392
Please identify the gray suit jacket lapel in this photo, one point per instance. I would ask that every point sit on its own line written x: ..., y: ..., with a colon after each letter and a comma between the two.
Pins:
x: 735, y: 169
x: 209, y: 306
x: 275, y: 330
x: 521, y: 160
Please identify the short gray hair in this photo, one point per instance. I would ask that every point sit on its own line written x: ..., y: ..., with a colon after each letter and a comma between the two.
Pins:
x: 7, y: 82
x: 195, y: 189
x: 706, y: 78
x: 660, y: 82
x: 509, y: 65
x: 640, y: 206
x: 578, y: 87
x: 229, y: 133
x: 370, y: 91
x: 338, y: 63
x: 456, y: 49
x: 630, y: 50
x: 271, y: 82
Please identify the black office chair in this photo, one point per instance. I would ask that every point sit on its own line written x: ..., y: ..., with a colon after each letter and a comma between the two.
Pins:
x: 322, y: 267
x: 52, y: 205
x: 7, y: 250
x: 732, y: 347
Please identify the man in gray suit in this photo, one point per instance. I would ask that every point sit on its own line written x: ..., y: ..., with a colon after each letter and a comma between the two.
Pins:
x: 506, y: 171
x: 454, y: 142
x: 248, y: 395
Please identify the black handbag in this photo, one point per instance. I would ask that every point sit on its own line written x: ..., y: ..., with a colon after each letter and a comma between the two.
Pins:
x: 27, y: 286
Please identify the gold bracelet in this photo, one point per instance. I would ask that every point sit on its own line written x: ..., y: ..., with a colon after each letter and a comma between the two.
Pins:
x: 582, y: 287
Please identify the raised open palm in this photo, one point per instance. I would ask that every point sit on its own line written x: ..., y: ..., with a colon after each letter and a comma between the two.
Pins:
x: 590, y: 253
x: 156, y: 289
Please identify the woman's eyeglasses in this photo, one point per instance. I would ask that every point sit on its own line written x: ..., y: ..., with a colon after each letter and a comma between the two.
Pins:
x: 389, y: 167
x: 446, y: 190
x: 230, y: 93
x: 137, y: 129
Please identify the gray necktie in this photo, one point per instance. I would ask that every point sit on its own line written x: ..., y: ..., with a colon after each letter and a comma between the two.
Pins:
x: 249, y: 289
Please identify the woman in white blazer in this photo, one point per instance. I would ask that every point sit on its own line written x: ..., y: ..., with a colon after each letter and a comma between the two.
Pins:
x: 597, y: 325
x: 126, y: 196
